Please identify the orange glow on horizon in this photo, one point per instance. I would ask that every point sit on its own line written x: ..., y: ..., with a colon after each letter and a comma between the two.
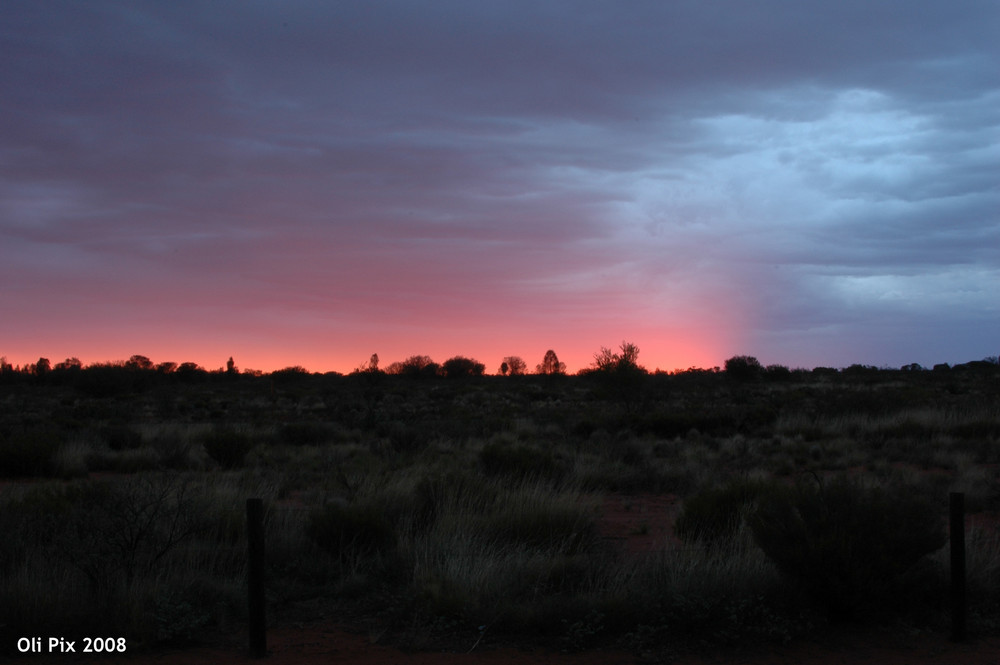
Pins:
x: 677, y: 353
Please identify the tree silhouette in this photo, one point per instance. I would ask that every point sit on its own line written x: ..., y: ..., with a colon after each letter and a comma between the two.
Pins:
x: 139, y: 362
x: 190, y: 371
x: 620, y: 375
x: 515, y: 366
x: 743, y: 368
x: 43, y: 367
x: 460, y: 366
x: 415, y: 366
x: 68, y: 365
x: 607, y: 360
x: 550, y: 364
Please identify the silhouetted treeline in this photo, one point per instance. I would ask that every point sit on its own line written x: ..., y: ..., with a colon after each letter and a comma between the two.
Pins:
x: 619, y: 369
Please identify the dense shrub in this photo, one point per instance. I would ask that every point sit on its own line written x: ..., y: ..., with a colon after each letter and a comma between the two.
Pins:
x: 305, y: 433
x: 539, y: 524
x: 350, y: 532
x: 460, y: 366
x: 503, y: 457
x: 227, y: 446
x: 744, y: 368
x: 845, y: 543
x: 121, y: 437
x: 406, y: 437
x: 714, y: 516
x: 28, y: 452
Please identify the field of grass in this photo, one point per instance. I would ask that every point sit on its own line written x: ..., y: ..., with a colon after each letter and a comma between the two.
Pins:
x: 428, y: 509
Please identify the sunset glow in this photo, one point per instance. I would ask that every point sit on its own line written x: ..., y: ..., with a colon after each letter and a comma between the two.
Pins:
x: 311, y: 184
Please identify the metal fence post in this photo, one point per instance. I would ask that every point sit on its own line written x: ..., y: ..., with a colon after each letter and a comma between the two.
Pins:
x: 255, y: 577
x: 957, y: 535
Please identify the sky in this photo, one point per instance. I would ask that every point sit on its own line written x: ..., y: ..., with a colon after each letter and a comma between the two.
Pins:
x: 812, y: 183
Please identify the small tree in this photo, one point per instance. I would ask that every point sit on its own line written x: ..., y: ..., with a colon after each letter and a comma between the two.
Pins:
x: 744, y: 368
x: 459, y: 366
x: 415, y: 366
x: 550, y: 364
x: 607, y: 360
x: 139, y: 362
x: 515, y: 365
x: 70, y: 364
x: 43, y: 367
x: 620, y: 374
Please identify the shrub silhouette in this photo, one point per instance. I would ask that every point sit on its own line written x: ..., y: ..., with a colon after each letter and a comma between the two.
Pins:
x: 626, y: 361
x: 847, y: 544
x: 460, y: 366
x: 743, y: 368
x: 619, y: 373
x: 414, y: 366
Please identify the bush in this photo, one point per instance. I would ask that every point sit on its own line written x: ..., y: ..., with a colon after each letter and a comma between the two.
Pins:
x: 714, y: 516
x: 305, y: 433
x: 538, y: 523
x: 228, y: 447
x: 28, y: 453
x: 503, y: 457
x: 743, y: 368
x: 351, y: 532
x: 846, y: 544
x: 121, y: 437
x: 406, y: 437
x: 459, y: 367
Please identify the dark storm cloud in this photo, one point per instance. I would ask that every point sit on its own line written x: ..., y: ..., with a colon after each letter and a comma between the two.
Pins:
x: 819, y: 163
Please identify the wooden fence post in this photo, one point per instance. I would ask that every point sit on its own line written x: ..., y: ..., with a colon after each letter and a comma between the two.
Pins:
x: 957, y: 535
x: 255, y: 577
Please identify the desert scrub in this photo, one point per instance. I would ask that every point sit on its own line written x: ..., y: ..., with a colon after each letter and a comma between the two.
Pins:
x: 847, y: 544
x: 537, y: 518
x: 505, y: 548
x: 29, y: 451
x: 88, y: 553
x: 714, y: 516
x: 728, y: 594
x: 358, y: 536
x: 175, y: 444
x: 227, y: 446
x: 504, y: 456
x: 306, y: 433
